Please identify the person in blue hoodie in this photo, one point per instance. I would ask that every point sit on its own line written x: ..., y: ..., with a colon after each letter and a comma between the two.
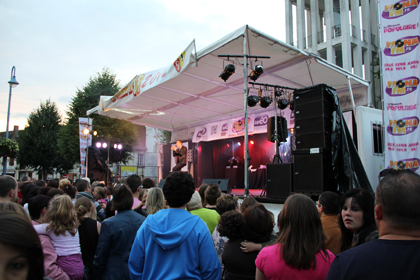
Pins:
x: 174, y: 244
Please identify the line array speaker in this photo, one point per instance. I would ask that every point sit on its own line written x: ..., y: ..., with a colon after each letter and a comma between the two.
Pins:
x: 279, y: 180
x: 281, y: 129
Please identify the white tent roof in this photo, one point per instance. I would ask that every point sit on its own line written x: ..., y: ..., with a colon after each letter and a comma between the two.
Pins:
x: 198, y: 96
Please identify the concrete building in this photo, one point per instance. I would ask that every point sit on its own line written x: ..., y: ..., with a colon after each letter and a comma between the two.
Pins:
x: 344, y: 32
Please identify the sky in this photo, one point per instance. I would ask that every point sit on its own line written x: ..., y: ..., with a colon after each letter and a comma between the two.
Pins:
x: 56, y: 46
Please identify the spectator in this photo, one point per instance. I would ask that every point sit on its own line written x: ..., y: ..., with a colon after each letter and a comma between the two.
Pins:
x: 148, y: 183
x: 155, y: 201
x: 53, y: 192
x: 210, y: 217
x: 201, y: 191
x: 116, y: 237
x: 63, y: 182
x: 248, y: 201
x: 25, y: 189
x: 44, y: 190
x: 8, y: 188
x: 41, y: 183
x: 70, y: 190
x: 89, y: 230
x: 173, y: 238
x: 13, y: 206
x: 357, y: 221
x: 54, y: 183
x: 211, y: 195
x: 83, y: 190
x: 329, y: 211
x: 299, y: 252
x: 134, y: 183
x: 62, y: 230
x: 38, y: 207
x: 396, y: 254
x: 20, y: 248
x: 257, y: 227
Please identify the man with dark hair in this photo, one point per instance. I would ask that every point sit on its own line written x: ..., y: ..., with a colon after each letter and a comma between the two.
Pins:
x: 329, y: 209
x: 148, y: 183
x: 173, y: 238
x: 54, y: 183
x: 37, y: 207
x: 83, y: 189
x: 134, y: 183
x: 180, y: 155
x: 396, y: 254
x: 8, y: 188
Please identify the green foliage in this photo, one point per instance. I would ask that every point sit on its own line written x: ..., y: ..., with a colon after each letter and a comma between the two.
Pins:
x: 164, y: 136
x: 103, y: 83
x: 8, y: 148
x: 38, y: 146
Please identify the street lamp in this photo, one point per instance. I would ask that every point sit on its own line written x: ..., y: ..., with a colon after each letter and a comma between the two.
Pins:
x: 12, y: 83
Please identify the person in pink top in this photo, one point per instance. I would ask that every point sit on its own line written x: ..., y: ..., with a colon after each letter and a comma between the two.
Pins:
x: 299, y: 252
x: 134, y: 183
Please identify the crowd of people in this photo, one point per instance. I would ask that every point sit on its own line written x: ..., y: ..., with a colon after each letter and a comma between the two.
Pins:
x: 134, y: 230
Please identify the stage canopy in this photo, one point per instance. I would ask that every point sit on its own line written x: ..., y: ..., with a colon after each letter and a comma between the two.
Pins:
x: 189, y: 93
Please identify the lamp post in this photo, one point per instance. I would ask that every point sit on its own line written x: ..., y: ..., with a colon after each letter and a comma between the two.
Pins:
x: 12, y: 83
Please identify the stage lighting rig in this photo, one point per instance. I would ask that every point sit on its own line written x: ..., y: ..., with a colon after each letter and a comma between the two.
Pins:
x: 252, y: 100
x: 265, y: 101
x: 282, y: 103
x: 256, y: 73
x: 227, y: 72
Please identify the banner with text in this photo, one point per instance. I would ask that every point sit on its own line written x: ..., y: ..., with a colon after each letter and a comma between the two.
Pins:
x: 399, y: 21
x: 257, y: 123
x: 85, y: 141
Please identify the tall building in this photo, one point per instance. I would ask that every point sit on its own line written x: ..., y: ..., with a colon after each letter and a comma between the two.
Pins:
x: 344, y: 32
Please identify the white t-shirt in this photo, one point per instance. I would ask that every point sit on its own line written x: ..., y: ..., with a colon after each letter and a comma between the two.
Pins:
x: 64, y: 245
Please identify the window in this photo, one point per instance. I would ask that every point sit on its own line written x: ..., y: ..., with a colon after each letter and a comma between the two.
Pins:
x: 140, y: 160
x: 377, y: 138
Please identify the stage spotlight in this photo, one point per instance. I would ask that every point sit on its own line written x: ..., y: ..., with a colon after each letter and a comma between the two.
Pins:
x: 282, y: 103
x: 227, y: 72
x: 104, y: 145
x: 277, y: 93
x: 98, y: 144
x: 228, y: 145
x: 265, y: 101
x: 292, y: 106
x: 239, y: 143
x: 256, y: 73
x: 252, y: 142
x: 252, y: 100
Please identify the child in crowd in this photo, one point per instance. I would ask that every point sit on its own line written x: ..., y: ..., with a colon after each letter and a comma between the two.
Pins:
x: 62, y: 229
x: 100, y: 195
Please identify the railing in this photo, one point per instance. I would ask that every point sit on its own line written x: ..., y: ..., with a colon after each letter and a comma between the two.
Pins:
x: 336, y: 31
x: 321, y: 36
x: 364, y: 39
x: 353, y: 31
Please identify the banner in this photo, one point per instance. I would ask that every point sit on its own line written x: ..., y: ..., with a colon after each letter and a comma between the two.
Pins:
x: 400, y: 36
x: 85, y: 141
x: 257, y: 123
x: 143, y: 82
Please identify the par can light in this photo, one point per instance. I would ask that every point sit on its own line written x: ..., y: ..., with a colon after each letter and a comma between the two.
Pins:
x: 227, y: 72
x: 252, y: 100
x: 265, y: 101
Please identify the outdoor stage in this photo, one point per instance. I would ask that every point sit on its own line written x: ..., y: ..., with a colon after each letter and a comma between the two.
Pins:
x: 256, y: 193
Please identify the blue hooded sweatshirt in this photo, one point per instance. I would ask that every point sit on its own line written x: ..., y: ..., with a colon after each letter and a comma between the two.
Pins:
x: 173, y: 244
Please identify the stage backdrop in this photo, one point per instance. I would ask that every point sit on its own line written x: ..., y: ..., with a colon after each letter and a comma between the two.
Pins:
x: 400, y: 68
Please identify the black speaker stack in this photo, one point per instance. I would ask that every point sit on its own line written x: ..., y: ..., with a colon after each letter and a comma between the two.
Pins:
x: 312, y: 159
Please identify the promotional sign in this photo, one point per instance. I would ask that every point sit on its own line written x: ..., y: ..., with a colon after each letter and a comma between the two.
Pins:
x: 85, y: 141
x: 400, y: 36
x: 148, y: 80
x: 126, y: 171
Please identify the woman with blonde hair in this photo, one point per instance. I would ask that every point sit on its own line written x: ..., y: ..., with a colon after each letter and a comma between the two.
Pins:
x: 89, y: 230
x: 62, y: 229
x: 155, y: 201
x: 299, y: 252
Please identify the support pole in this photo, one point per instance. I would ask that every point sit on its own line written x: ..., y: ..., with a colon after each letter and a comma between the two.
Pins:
x: 246, y: 155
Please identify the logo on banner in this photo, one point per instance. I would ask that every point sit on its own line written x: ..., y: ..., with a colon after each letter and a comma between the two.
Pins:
x: 202, y: 132
x: 239, y: 125
x: 403, y: 126
x: 402, y: 87
x: 411, y: 164
x: 261, y: 120
x: 400, y: 107
x: 179, y: 62
x: 401, y: 46
x: 213, y: 129
x: 224, y: 129
x: 399, y: 9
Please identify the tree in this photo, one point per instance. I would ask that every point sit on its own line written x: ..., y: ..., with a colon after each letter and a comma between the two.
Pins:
x: 164, y: 136
x: 103, y: 83
x: 38, y: 146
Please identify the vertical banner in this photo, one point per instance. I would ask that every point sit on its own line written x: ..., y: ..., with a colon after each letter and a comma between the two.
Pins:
x: 85, y: 141
x: 399, y: 21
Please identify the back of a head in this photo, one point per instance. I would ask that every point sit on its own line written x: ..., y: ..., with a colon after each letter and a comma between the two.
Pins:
x: 61, y: 215
x: 123, y: 198
x: 212, y: 193
x: 201, y: 191
x: 54, y: 183
x: 258, y: 224
x: 101, y: 192
x: 300, y: 231
x: 68, y: 189
x: 195, y: 202
x: 178, y: 189
x: 41, y: 183
x: 7, y: 183
x: 148, y: 183
x: 82, y: 185
x: 134, y: 182
x: 82, y: 206
x: 399, y: 196
x: 248, y: 201
x: 26, y: 187
x: 53, y: 192
x: 231, y: 224
x: 14, y: 207
x: 226, y: 203
x: 19, y: 234
x: 36, y: 204
x: 330, y: 202
x: 155, y: 200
